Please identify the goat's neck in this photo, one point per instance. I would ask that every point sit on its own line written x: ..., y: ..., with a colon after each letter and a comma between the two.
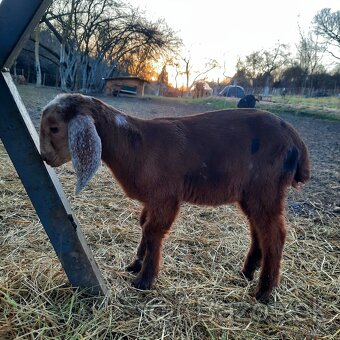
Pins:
x: 120, y: 135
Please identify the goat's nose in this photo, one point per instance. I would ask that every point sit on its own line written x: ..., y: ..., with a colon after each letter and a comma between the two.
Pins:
x: 44, y: 158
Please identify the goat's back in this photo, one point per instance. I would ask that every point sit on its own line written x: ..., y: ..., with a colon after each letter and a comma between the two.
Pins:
x: 212, y: 156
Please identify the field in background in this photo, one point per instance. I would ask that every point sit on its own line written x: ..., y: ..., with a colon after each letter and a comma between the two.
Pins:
x: 200, y: 293
x: 324, y: 108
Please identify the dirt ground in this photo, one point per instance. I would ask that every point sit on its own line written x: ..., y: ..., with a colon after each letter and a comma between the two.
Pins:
x: 199, y: 294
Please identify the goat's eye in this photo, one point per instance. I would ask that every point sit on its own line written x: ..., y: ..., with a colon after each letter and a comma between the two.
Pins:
x: 54, y: 129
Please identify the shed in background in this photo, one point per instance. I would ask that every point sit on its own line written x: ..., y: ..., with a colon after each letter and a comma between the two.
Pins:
x: 201, y: 89
x: 124, y: 85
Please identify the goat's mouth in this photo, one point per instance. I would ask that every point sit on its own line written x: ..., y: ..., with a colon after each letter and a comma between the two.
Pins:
x: 54, y: 162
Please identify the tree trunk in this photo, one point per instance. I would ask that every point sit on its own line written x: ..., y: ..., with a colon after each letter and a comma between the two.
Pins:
x: 36, y: 55
x: 15, y: 69
x: 62, y: 68
x: 84, y: 74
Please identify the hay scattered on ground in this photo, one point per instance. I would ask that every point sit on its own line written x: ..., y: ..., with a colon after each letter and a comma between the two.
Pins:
x: 200, y: 293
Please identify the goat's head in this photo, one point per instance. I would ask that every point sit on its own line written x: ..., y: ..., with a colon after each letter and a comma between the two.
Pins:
x: 68, y: 132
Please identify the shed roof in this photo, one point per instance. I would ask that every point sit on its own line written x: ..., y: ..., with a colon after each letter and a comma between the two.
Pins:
x: 126, y: 78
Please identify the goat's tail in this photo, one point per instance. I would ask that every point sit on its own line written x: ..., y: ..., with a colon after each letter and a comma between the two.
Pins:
x: 302, y: 172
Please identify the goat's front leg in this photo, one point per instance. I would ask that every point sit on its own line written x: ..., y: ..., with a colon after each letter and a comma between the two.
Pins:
x: 136, y: 265
x: 253, y: 259
x: 156, y: 226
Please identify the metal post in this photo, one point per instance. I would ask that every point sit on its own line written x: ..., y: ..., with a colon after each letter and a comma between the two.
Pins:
x: 21, y: 142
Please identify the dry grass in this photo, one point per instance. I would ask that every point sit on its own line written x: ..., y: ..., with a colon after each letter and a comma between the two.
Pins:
x: 200, y: 293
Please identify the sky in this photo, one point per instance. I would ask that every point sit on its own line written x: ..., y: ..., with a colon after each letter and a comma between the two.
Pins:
x: 228, y: 30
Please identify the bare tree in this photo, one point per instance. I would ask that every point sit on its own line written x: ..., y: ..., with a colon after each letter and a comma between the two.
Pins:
x: 188, y: 71
x: 259, y: 67
x: 98, y: 36
x: 273, y: 60
x: 157, y: 43
x: 327, y: 26
x: 178, y: 72
x: 309, y: 55
x: 59, y: 19
x: 253, y: 65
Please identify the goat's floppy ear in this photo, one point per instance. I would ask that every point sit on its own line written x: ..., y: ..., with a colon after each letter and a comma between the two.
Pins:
x: 85, y: 149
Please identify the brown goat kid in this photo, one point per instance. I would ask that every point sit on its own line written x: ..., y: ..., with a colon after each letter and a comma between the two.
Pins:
x: 245, y: 156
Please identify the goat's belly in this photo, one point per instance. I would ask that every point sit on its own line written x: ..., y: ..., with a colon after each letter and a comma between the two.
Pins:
x: 209, y: 200
x: 210, y: 193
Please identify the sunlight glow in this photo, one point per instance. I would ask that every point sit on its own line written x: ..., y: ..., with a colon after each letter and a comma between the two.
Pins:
x: 227, y: 30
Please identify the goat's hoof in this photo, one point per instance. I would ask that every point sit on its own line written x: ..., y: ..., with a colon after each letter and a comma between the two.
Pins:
x: 134, y: 267
x: 247, y: 274
x: 141, y: 284
x: 263, y: 296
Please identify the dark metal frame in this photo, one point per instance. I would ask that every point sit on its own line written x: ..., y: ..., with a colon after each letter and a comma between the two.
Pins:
x: 17, y: 20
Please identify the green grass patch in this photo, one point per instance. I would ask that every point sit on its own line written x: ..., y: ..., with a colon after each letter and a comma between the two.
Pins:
x: 321, y: 102
x: 324, y: 108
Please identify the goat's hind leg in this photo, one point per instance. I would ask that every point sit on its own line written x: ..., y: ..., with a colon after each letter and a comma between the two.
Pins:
x: 136, y: 265
x: 272, y: 240
x: 268, y: 233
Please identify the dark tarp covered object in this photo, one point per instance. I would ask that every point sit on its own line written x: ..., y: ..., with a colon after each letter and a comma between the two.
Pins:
x: 233, y: 91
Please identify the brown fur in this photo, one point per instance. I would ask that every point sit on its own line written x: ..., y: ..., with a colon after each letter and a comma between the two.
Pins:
x: 245, y: 156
